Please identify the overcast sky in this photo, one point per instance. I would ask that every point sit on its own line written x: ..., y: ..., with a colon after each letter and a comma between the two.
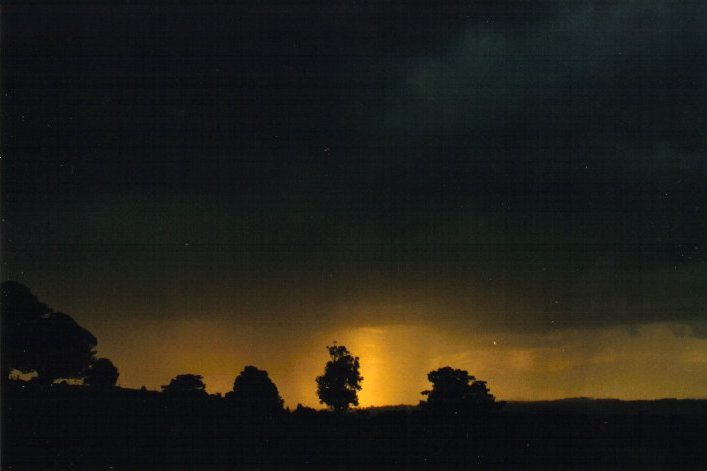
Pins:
x: 517, y: 187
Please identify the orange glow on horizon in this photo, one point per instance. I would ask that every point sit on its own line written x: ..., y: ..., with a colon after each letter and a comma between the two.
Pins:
x: 395, y: 359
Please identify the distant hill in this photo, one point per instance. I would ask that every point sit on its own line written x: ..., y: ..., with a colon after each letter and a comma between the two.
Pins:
x: 574, y: 406
x: 584, y: 405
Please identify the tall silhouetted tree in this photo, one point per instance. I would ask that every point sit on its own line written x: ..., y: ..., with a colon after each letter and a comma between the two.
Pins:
x: 186, y: 385
x: 456, y: 391
x: 254, y: 391
x: 37, y: 339
x: 339, y: 385
x: 102, y: 374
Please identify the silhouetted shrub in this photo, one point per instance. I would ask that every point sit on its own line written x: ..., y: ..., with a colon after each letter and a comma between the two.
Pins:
x: 186, y: 385
x: 255, y: 392
x: 102, y: 374
x: 457, y: 391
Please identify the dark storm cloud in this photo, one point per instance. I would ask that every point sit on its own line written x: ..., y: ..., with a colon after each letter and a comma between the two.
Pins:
x: 548, y: 155
x: 587, y: 134
x: 611, y: 90
x: 248, y: 81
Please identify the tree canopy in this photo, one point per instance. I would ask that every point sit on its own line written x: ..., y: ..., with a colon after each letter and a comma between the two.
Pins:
x: 456, y: 390
x: 186, y: 385
x: 102, y: 374
x: 21, y: 312
x: 339, y: 385
x: 35, y: 338
x: 64, y: 349
x: 254, y: 390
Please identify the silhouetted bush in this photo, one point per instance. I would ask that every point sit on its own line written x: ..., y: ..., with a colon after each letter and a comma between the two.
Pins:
x: 254, y: 392
x: 101, y: 374
x: 456, y: 391
x: 186, y: 385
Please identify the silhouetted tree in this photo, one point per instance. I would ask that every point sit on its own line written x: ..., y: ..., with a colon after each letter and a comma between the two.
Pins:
x: 186, y: 385
x: 37, y: 339
x: 456, y: 391
x: 339, y: 385
x: 102, y: 373
x: 254, y: 391
x: 67, y: 349
x: 21, y: 312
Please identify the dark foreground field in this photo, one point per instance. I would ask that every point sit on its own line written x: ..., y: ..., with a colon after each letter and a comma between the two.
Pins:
x: 76, y: 428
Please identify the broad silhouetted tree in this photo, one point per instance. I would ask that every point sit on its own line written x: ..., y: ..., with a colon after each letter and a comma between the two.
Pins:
x: 21, y: 312
x: 254, y: 391
x: 37, y: 339
x: 457, y: 391
x: 101, y: 374
x: 186, y: 385
x: 339, y: 385
x: 67, y: 349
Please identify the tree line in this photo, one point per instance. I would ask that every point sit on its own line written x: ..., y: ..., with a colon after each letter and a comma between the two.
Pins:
x: 91, y: 423
x: 51, y: 346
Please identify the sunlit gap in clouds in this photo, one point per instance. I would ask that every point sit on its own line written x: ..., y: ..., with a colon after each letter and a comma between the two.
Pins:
x: 392, y: 358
